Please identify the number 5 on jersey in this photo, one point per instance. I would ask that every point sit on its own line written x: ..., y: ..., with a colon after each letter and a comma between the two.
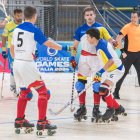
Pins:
x: 20, y: 40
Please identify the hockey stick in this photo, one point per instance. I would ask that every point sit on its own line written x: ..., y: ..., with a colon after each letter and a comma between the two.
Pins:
x: 72, y: 93
x: 69, y: 102
x: 3, y: 78
x: 4, y: 10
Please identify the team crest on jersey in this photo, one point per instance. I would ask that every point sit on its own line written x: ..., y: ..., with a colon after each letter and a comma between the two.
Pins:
x: 51, y: 52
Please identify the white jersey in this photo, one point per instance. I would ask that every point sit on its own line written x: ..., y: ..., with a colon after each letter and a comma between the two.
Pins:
x: 25, y: 37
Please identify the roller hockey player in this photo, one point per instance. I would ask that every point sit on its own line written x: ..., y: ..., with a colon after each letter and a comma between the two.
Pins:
x: 112, y: 70
x: 26, y: 75
x: 88, y: 62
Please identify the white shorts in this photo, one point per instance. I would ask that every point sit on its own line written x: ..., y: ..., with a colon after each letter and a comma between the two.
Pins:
x: 88, y: 65
x: 25, y: 73
x: 113, y: 76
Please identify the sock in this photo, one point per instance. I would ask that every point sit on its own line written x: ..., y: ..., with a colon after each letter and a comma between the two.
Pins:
x: 115, y: 103
x: 42, y: 108
x: 82, y: 98
x: 96, y: 99
x: 109, y: 101
x: 22, y: 102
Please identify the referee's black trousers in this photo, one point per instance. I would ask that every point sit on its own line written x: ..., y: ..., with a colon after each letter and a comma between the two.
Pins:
x: 133, y: 58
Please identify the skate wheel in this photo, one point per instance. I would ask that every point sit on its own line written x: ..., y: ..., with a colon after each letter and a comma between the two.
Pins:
x: 28, y: 130
x: 39, y: 133
x: 50, y: 132
x: 85, y: 117
x: 17, y: 131
x: 92, y: 119
x: 124, y: 114
x: 79, y: 119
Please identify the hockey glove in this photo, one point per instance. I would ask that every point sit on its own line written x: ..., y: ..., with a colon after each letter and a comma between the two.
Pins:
x: 73, y: 62
x: 36, y: 55
x: 4, y: 54
x: 98, y: 75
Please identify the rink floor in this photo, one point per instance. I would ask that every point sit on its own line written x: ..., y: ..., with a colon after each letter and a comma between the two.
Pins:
x: 127, y: 128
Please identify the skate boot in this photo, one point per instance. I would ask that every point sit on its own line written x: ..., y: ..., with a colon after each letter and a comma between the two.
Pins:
x: 120, y: 111
x: 96, y: 114
x: 43, y: 125
x: 106, y: 117
x: 23, y: 123
x: 81, y: 113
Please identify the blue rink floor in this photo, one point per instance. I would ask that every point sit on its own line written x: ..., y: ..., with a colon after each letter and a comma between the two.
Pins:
x: 127, y: 128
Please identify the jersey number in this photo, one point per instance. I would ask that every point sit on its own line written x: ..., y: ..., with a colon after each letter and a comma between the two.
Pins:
x: 20, y: 40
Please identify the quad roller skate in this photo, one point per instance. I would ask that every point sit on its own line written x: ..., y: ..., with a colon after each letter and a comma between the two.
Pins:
x: 23, y: 123
x: 108, y: 115
x: 96, y: 114
x: 81, y: 113
x: 43, y: 125
x: 120, y: 111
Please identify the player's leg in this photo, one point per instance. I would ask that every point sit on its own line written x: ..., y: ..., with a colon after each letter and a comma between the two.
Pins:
x: 43, y: 97
x: 94, y: 66
x: 83, y: 73
x: 80, y: 85
x: 12, y: 80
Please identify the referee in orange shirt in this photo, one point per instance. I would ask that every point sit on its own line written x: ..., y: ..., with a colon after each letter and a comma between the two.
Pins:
x: 131, y: 51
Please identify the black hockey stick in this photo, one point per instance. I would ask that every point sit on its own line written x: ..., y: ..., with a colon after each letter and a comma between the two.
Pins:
x: 69, y: 102
x: 72, y: 92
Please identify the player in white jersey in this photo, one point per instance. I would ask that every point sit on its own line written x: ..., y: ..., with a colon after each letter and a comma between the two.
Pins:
x: 23, y: 47
x: 88, y: 62
x: 111, y: 71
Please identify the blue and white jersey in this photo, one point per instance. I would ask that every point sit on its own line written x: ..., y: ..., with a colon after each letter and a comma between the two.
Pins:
x: 25, y: 37
x: 80, y: 35
x: 106, y: 52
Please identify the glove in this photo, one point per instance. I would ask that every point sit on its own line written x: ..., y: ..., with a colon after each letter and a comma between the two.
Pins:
x: 72, y: 50
x: 73, y: 62
x: 8, y: 18
x: 96, y: 86
x: 4, y: 54
x: 115, y: 44
x: 98, y: 75
x: 36, y: 55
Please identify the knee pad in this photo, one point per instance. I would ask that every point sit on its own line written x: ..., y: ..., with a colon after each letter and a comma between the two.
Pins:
x: 80, y: 85
x: 96, y: 86
x: 26, y: 94
x: 43, y: 92
x: 104, y: 90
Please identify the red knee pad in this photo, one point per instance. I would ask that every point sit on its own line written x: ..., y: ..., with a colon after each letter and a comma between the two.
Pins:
x: 26, y: 94
x: 41, y: 89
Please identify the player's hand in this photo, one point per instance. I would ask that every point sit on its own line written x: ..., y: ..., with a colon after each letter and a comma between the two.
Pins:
x: 73, y: 62
x: 72, y: 50
x: 4, y: 54
x: 36, y: 55
x: 8, y: 18
x: 96, y: 86
x: 98, y: 75
x: 115, y: 44
x: 124, y: 55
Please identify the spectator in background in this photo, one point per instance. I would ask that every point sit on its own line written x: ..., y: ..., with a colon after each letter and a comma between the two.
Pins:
x: 131, y: 50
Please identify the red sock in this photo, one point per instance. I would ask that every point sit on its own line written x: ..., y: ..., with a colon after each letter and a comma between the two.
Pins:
x: 82, y: 98
x: 42, y: 108
x: 22, y: 102
x: 115, y: 103
x: 109, y: 101
x: 96, y: 99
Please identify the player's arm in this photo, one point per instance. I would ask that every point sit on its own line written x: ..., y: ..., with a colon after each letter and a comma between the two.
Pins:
x: 12, y: 51
x: 4, y: 38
